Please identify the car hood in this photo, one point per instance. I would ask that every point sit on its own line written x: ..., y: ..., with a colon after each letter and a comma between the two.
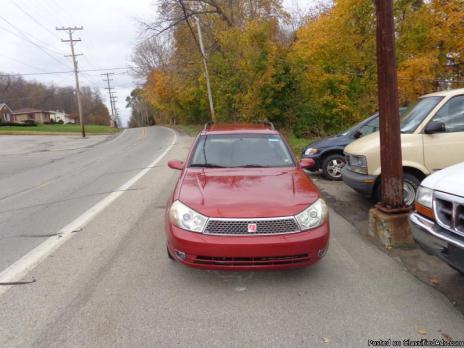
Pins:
x: 448, y: 180
x: 341, y: 140
x: 362, y: 145
x: 247, y: 193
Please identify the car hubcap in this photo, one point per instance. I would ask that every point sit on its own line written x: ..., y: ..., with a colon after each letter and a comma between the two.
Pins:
x: 334, y: 168
x: 409, y: 193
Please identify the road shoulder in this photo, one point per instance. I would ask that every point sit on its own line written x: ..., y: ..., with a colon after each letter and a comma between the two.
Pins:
x: 426, y: 268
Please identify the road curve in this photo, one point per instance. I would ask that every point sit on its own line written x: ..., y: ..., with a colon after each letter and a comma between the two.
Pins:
x: 48, y: 181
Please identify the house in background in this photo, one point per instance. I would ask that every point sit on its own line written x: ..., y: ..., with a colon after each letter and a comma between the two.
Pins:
x: 58, y: 116
x: 29, y: 114
x: 6, y: 114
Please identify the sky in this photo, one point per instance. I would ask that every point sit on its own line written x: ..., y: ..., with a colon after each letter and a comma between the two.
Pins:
x: 111, y: 30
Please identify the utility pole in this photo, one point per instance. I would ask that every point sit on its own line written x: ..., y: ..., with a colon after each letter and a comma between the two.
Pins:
x: 109, y: 88
x: 71, y: 40
x: 389, y: 219
x: 118, y: 120
x: 390, y: 136
x: 113, y: 99
x: 208, y: 86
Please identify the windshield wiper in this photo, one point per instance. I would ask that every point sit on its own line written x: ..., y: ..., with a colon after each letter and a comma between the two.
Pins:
x: 251, y: 166
x: 206, y: 165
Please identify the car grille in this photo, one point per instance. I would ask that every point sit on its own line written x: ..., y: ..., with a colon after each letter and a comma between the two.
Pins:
x: 241, y: 226
x: 449, y: 212
x: 252, y: 261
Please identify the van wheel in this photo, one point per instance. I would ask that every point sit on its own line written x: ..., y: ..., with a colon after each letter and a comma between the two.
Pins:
x: 332, y: 167
x: 410, y: 185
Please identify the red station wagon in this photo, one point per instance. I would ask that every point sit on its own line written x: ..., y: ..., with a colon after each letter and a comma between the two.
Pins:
x: 243, y: 202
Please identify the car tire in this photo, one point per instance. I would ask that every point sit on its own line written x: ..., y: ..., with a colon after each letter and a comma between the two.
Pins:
x: 332, y: 167
x: 410, y: 185
x: 169, y: 254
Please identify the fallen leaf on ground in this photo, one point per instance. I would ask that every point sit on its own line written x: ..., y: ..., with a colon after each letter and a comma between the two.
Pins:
x: 434, y: 281
x: 325, y: 339
x: 422, y: 332
x: 446, y: 336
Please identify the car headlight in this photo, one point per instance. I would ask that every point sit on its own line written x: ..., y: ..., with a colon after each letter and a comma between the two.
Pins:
x: 424, y: 196
x: 358, y: 163
x: 186, y: 218
x: 313, y: 216
x: 311, y: 151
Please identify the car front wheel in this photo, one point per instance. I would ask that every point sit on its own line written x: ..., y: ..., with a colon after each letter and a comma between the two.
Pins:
x: 410, y: 185
x: 332, y: 167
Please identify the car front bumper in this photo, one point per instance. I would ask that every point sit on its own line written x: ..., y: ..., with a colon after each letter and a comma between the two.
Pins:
x: 317, y: 161
x: 270, y: 252
x: 437, y: 241
x: 362, y: 183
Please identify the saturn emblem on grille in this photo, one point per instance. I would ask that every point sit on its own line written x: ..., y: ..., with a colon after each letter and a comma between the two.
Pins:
x: 252, y: 228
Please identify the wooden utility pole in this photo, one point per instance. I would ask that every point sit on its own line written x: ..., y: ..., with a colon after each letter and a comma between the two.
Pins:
x: 73, y: 54
x: 114, y: 99
x: 208, y: 86
x: 109, y: 88
x: 390, y: 136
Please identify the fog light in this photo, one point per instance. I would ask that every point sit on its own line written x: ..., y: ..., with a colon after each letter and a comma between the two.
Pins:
x: 322, y: 252
x: 181, y: 255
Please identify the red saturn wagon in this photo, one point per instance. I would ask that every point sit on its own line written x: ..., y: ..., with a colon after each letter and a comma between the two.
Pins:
x: 243, y: 202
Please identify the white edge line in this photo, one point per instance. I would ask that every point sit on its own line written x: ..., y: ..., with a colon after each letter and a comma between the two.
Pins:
x: 32, y: 259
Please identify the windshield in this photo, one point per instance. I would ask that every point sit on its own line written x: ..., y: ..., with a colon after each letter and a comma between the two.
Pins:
x: 241, y: 150
x: 417, y: 112
x: 356, y: 126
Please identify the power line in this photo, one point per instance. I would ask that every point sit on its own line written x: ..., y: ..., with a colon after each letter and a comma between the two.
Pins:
x: 20, y: 62
x: 64, y: 72
x: 35, y: 20
x: 28, y: 37
x: 29, y: 40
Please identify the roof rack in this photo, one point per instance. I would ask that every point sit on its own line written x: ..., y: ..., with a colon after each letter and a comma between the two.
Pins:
x: 265, y: 123
x: 270, y: 124
x: 208, y: 125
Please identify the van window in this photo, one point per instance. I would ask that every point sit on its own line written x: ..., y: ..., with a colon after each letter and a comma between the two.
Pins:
x: 452, y: 115
x: 417, y: 113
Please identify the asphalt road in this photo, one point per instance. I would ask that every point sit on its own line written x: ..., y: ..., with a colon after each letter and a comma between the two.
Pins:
x: 113, y: 285
x: 47, y: 181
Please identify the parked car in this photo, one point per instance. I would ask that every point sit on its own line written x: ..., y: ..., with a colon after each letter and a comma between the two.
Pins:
x: 432, y: 138
x: 328, y: 152
x: 243, y: 202
x: 438, y: 221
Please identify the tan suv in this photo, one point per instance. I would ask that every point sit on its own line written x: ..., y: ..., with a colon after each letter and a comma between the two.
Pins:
x: 432, y: 138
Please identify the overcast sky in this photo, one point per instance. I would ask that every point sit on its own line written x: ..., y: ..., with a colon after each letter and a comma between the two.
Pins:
x: 110, y: 32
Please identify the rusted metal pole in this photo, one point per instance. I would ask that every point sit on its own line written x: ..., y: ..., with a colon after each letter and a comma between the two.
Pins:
x: 390, y: 136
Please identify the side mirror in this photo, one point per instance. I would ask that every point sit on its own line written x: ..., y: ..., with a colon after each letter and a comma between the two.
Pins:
x: 307, y: 163
x: 435, y: 127
x: 178, y: 165
x: 357, y: 135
